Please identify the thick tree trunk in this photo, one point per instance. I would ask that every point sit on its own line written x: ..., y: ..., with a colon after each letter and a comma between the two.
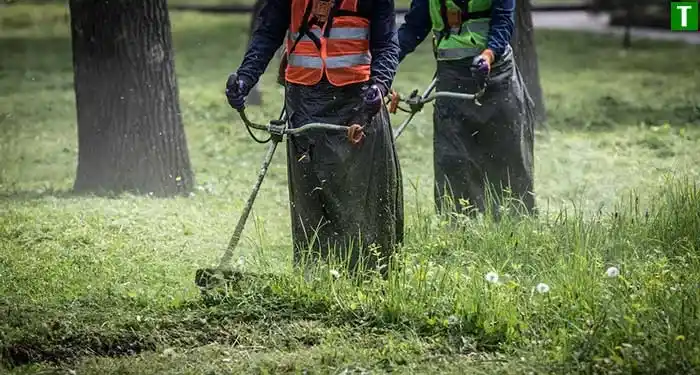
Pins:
x: 526, y: 56
x: 130, y: 132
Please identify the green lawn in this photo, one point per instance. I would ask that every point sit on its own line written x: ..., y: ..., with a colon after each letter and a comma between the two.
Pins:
x: 105, y: 286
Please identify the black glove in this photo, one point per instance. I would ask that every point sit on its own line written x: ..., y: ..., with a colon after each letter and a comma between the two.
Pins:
x: 481, y: 67
x: 372, y: 98
x: 237, y: 88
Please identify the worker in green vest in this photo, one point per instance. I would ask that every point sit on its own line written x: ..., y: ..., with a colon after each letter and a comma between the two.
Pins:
x: 479, y: 151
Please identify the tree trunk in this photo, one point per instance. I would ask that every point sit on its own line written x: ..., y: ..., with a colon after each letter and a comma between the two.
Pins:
x: 629, y: 13
x: 526, y: 56
x: 130, y: 132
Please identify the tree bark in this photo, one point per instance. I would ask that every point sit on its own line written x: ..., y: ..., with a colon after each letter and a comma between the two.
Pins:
x: 526, y: 56
x: 130, y: 132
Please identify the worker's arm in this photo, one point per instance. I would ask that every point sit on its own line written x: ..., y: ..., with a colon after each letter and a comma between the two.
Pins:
x: 502, y: 15
x: 384, y: 45
x: 267, y: 38
x: 416, y: 27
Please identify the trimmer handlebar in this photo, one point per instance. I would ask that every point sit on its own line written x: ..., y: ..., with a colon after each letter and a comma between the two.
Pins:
x: 447, y: 94
x: 278, y: 128
x: 416, y: 102
x: 355, y: 134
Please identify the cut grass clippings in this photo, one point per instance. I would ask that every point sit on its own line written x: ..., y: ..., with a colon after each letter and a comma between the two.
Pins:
x: 102, y: 286
x: 446, y: 299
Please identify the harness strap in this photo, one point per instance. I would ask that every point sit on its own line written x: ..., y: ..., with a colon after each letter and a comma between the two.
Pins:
x: 480, y: 14
x: 464, y: 7
x: 445, y: 32
x: 466, y: 16
x: 305, y: 30
x: 337, y: 12
x: 331, y: 16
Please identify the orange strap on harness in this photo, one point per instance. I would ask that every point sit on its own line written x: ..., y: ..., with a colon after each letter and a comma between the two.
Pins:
x: 321, y: 10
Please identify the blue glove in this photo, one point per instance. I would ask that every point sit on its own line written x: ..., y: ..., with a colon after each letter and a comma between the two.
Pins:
x: 236, y: 91
x: 372, y: 99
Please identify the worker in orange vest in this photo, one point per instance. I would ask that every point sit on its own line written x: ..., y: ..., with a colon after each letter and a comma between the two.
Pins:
x: 342, y: 55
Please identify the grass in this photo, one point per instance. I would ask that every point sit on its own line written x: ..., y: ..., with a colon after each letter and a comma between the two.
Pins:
x: 94, y: 285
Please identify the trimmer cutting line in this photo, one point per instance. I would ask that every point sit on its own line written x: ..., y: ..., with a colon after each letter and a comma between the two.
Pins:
x: 209, y: 278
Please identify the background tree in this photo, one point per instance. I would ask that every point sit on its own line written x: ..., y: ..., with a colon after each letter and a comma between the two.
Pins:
x: 130, y: 131
x: 526, y: 56
x: 634, y: 13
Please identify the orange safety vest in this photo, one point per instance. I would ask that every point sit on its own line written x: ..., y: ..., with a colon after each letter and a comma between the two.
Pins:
x: 340, y: 49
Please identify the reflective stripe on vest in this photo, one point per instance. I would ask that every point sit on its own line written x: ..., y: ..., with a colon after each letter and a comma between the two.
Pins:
x: 305, y: 61
x: 457, y: 53
x: 344, y: 55
x: 347, y: 61
x: 480, y: 26
x: 352, y: 33
x: 332, y: 62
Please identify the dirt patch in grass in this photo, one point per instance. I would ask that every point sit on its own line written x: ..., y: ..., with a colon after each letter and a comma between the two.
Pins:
x: 257, y: 318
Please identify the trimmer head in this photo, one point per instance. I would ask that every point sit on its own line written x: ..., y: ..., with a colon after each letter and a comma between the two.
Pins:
x: 212, y: 278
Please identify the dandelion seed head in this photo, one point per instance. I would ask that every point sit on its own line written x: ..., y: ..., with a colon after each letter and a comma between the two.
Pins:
x: 491, y: 277
x: 542, y: 288
x: 612, y: 272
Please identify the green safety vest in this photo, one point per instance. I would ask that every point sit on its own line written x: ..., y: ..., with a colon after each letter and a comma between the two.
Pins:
x: 451, y: 43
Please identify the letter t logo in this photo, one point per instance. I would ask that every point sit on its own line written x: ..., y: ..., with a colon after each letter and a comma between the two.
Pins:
x: 684, y: 16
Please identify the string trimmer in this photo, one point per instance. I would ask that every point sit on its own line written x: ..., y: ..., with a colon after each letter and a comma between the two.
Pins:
x: 209, y: 278
x: 416, y: 102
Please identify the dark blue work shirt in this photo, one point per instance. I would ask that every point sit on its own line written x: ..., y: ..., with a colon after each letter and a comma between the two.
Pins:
x: 417, y: 25
x: 274, y: 22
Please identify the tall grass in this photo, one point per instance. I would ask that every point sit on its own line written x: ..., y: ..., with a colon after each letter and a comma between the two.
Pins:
x: 609, y: 293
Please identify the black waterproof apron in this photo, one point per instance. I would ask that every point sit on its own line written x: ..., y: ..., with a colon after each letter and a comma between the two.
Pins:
x: 479, y: 151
